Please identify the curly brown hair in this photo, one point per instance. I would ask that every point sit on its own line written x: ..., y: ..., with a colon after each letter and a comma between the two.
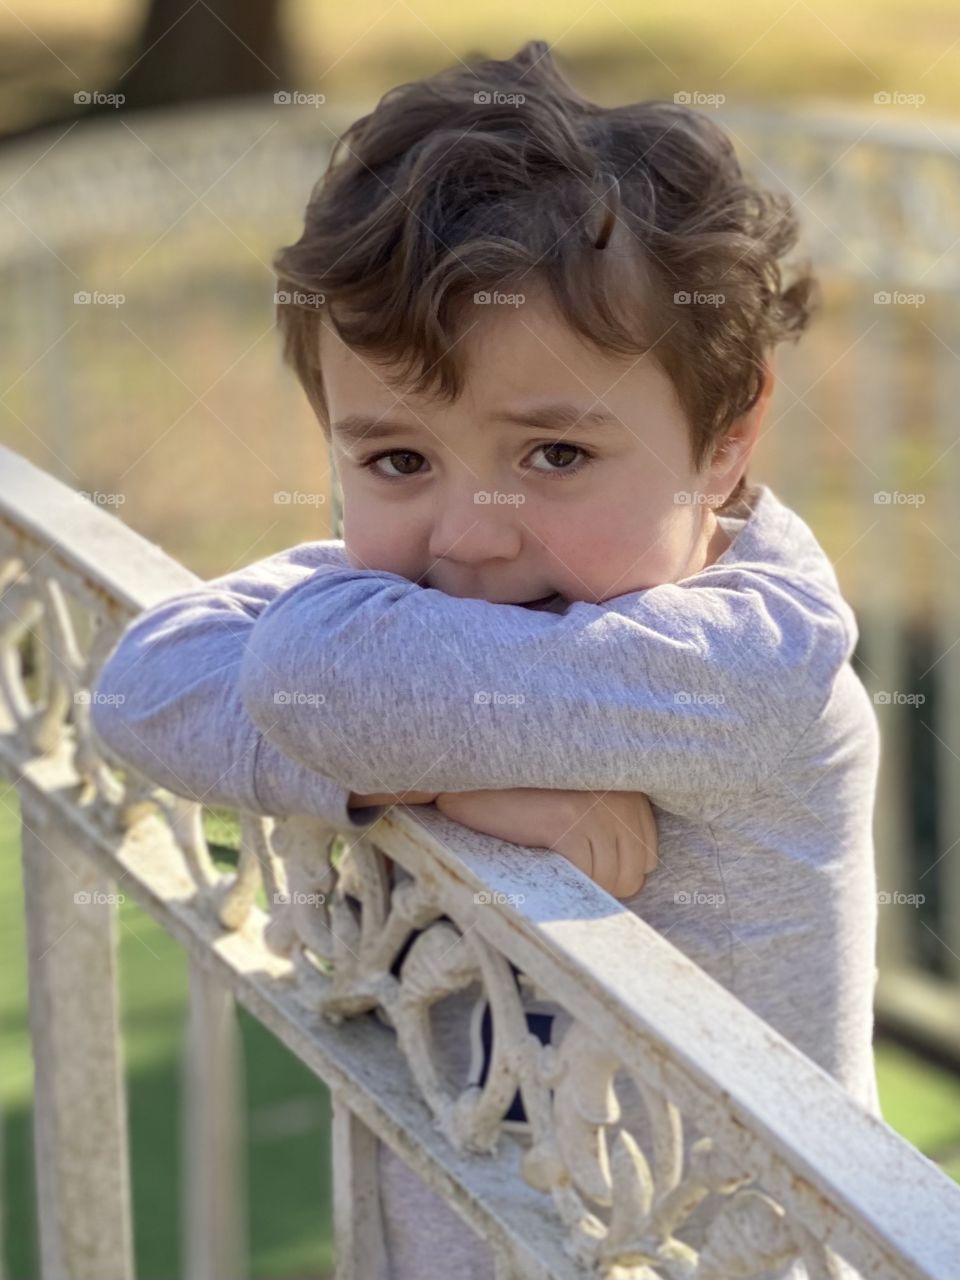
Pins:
x: 473, y: 179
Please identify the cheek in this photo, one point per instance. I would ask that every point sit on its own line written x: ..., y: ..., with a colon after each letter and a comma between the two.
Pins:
x: 589, y: 549
x: 369, y: 546
x: 377, y: 535
x: 618, y: 546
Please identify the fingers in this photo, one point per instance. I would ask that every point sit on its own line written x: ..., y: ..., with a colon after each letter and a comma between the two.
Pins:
x: 644, y: 829
x: 629, y: 843
x: 635, y: 842
x: 614, y: 866
x: 611, y: 863
x: 632, y: 870
x: 579, y: 851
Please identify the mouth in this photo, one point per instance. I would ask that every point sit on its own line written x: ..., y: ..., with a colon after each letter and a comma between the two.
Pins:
x: 535, y: 604
x: 540, y: 603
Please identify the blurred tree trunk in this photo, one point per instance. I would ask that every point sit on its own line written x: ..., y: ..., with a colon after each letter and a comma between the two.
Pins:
x: 198, y: 49
x: 187, y: 51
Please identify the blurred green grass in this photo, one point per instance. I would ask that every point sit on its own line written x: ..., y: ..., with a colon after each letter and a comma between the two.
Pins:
x: 922, y: 1102
x: 288, y: 1130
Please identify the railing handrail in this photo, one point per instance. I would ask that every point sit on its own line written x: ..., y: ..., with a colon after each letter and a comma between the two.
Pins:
x: 900, y: 132
x: 81, y: 541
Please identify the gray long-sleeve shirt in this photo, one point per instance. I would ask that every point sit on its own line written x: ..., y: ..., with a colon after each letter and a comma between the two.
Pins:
x: 728, y: 698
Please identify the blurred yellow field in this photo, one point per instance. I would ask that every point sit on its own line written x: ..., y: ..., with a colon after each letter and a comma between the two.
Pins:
x: 789, y: 51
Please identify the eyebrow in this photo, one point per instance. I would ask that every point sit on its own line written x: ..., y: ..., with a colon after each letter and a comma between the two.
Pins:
x: 559, y: 416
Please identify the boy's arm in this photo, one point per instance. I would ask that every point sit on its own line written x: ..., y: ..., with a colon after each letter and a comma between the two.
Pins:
x: 168, y: 698
x: 167, y: 701
x: 692, y: 695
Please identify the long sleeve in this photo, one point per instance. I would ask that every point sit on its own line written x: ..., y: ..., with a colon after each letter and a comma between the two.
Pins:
x: 168, y: 698
x: 693, y: 694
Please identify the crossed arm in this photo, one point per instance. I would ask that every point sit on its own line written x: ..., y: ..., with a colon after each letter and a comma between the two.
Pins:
x: 300, y: 683
x: 388, y: 687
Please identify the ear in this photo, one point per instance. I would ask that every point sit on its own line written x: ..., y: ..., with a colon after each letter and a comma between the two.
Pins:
x: 733, y: 452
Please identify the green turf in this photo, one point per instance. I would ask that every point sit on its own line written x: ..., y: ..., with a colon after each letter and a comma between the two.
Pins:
x: 289, y: 1200
x: 922, y: 1102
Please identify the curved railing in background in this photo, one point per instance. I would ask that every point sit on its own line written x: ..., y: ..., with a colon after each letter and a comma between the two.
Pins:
x: 304, y: 934
x: 878, y: 197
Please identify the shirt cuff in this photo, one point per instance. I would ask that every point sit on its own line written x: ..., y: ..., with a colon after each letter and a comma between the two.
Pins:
x: 282, y: 787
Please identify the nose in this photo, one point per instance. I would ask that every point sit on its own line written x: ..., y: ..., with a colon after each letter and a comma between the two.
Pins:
x: 473, y: 525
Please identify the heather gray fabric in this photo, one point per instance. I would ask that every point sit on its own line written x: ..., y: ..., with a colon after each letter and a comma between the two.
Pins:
x: 727, y: 697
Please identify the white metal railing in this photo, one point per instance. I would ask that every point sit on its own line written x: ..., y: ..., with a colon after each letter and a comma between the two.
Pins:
x: 798, y: 1169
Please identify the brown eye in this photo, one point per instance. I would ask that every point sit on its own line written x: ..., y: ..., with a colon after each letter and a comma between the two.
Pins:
x: 405, y: 467
x: 563, y: 454
x: 563, y: 459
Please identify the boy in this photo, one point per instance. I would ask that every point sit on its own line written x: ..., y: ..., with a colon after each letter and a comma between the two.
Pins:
x: 538, y: 335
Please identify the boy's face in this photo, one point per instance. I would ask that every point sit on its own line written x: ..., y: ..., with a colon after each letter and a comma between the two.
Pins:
x: 472, y: 504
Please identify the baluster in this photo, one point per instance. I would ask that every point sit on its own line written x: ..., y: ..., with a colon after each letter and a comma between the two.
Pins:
x: 213, y: 1181
x: 80, y: 1110
x: 357, y: 1224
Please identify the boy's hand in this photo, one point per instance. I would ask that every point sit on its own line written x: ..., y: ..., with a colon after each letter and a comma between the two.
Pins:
x: 610, y: 835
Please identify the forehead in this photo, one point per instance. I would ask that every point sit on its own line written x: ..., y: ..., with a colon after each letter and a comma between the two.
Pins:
x: 513, y: 351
